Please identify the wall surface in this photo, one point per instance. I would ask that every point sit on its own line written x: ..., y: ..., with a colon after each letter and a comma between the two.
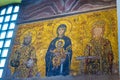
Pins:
x: 45, y: 9
x: 40, y: 20
x: 118, y: 15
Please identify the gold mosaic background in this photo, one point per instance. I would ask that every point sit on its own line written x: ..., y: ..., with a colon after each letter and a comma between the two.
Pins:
x: 78, y: 29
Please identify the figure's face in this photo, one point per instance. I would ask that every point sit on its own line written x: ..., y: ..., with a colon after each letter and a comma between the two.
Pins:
x: 59, y: 44
x: 27, y: 40
x: 98, y: 32
x: 61, y: 31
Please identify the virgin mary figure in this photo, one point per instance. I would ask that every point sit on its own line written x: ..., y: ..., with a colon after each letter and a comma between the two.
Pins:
x: 63, y: 67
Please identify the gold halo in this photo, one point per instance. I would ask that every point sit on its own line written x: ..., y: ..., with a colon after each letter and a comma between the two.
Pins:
x: 32, y: 34
x: 61, y: 41
x: 106, y: 25
x: 64, y: 21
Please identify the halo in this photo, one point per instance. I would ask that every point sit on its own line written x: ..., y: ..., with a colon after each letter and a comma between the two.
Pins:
x: 66, y: 22
x: 32, y: 34
x: 93, y: 22
x: 61, y: 41
x: 106, y: 24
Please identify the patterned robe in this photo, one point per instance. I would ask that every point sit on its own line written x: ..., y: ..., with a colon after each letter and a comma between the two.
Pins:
x: 23, y: 54
x: 104, y: 56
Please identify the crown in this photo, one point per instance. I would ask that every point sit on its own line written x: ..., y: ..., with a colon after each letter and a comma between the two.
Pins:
x: 29, y: 34
x: 99, y: 23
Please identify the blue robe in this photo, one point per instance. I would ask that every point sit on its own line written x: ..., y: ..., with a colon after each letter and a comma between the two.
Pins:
x: 50, y: 71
